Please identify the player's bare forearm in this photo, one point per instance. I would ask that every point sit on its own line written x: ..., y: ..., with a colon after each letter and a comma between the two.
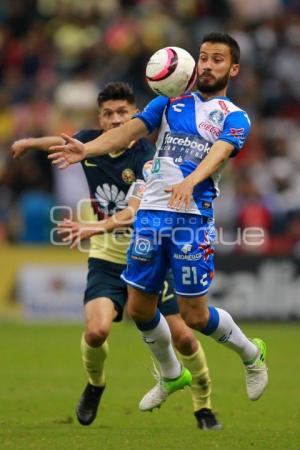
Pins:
x: 75, y: 232
x: 22, y: 146
x: 73, y: 151
x: 218, y: 154
x: 45, y: 142
x: 117, y: 138
x: 122, y: 218
x: 181, y: 193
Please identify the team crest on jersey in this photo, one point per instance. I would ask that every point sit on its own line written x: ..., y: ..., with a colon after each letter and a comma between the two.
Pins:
x: 216, y: 117
x: 128, y: 176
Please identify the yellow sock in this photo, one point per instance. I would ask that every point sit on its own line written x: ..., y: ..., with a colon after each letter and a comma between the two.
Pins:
x: 201, y: 384
x: 93, y: 359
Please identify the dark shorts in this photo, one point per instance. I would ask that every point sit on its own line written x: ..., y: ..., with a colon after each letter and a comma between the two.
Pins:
x: 104, y: 280
x: 167, y: 302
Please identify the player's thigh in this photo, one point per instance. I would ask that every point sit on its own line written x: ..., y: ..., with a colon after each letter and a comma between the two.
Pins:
x: 104, y: 282
x: 194, y: 310
x: 141, y: 306
x: 146, y: 258
x: 99, y: 315
x: 167, y: 301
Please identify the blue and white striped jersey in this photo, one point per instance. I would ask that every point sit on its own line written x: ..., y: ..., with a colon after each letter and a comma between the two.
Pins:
x: 188, y: 127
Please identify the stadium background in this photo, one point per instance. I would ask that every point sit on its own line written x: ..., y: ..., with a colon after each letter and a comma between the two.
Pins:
x: 54, y: 57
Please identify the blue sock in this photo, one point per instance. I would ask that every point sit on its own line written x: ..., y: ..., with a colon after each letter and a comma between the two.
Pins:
x: 150, y: 324
x: 213, y: 321
x: 156, y: 334
x: 223, y: 329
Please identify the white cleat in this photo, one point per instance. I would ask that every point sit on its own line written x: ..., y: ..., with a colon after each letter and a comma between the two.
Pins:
x: 257, y: 373
x: 159, y: 393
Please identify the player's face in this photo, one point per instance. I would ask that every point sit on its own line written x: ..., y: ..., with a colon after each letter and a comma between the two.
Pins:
x: 114, y: 113
x: 215, y: 68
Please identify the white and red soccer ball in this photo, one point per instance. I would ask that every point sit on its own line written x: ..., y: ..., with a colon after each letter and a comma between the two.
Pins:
x: 171, y: 71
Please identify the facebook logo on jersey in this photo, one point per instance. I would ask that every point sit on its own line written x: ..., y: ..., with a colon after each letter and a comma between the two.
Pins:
x: 181, y: 147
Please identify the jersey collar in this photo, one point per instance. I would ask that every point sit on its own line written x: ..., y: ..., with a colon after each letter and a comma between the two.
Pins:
x: 221, y: 97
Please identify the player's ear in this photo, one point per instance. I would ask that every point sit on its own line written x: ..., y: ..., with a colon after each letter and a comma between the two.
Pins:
x: 235, y: 68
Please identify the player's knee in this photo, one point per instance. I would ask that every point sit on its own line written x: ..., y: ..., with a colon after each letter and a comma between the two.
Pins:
x: 196, y: 321
x: 138, y: 314
x: 185, y: 342
x: 96, y: 335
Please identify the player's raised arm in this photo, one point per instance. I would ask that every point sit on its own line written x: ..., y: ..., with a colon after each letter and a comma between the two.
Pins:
x: 22, y: 146
x: 73, y: 151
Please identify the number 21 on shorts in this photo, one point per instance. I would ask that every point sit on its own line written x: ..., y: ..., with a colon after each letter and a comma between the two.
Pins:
x: 189, y: 276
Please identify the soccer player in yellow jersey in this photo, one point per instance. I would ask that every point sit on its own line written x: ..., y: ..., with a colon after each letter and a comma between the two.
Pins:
x: 112, y: 179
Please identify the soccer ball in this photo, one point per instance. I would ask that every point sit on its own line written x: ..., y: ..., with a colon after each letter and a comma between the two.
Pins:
x: 171, y: 71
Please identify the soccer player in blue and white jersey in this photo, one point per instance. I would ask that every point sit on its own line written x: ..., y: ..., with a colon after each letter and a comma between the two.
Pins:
x: 112, y: 179
x: 197, y: 133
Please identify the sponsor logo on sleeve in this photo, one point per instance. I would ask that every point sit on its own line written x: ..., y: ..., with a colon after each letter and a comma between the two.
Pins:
x: 237, y: 132
x: 138, y: 189
x: 239, y: 135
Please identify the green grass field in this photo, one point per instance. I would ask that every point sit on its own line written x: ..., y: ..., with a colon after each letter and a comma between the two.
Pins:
x: 42, y: 379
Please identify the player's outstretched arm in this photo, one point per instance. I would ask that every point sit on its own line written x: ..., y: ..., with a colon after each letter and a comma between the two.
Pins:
x: 75, y: 232
x: 181, y: 193
x: 20, y: 147
x: 73, y: 151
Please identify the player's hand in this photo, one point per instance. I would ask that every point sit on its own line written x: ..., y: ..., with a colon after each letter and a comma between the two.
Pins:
x: 181, y: 194
x: 19, y: 148
x: 69, y: 153
x: 75, y: 232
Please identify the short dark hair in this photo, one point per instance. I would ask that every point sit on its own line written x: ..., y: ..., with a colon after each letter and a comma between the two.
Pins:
x: 116, y: 91
x: 226, y: 39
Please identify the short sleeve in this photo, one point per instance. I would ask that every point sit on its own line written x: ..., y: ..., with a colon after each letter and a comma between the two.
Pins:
x: 236, y: 130
x: 136, y: 190
x: 144, y: 159
x: 153, y: 112
x: 143, y: 165
x: 86, y: 135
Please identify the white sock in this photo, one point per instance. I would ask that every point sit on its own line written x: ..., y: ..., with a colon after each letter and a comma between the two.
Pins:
x: 159, y: 342
x: 229, y: 334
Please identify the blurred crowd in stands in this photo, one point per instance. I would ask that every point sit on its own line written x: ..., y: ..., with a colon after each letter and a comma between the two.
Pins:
x: 55, y: 55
